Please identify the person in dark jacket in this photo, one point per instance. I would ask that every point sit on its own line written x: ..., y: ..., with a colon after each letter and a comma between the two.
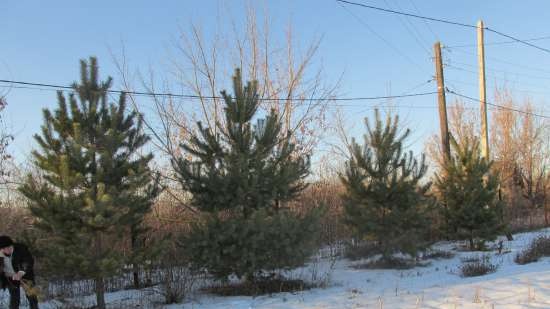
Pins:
x: 17, y: 268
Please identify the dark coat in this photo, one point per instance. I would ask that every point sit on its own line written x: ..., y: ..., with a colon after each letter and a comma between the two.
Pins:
x: 22, y: 259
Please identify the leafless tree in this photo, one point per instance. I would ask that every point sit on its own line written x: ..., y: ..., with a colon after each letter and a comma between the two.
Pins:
x: 291, y: 83
x: 463, y: 124
x: 520, y: 149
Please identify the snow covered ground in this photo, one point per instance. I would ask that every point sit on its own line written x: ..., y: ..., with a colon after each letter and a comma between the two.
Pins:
x: 435, y: 286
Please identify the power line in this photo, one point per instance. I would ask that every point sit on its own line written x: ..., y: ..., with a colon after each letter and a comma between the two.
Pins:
x: 517, y: 40
x: 407, y: 14
x: 513, y: 88
x: 446, y: 22
x: 330, y: 106
x: 501, y: 42
x: 423, y: 21
x: 493, y: 76
x: 407, y: 92
x: 50, y: 87
x: 412, y: 30
x: 491, y: 69
x: 381, y: 37
x: 451, y: 49
x: 496, y: 105
x: 29, y: 85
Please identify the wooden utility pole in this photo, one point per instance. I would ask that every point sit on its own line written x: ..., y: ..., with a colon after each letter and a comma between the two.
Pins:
x: 445, y: 145
x: 482, y: 90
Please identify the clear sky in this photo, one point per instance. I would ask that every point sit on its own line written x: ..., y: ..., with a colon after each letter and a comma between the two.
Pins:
x: 377, y: 53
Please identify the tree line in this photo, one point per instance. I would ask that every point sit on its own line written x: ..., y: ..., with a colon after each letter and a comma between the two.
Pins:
x: 96, y: 186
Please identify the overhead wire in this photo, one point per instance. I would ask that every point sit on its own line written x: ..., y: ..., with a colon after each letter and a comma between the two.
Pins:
x: 407, y: 14
x: 450, y: 22
x: 492, y: 78
x: 411, y: 29
x: 522, y: 90
x: 496, y: 105
x: 491, y: 69
x: 382, y: 38
x: 501, y: 42
x: 45, y: 86
x: 491, y: 75
x: 52, y: 87
x: 451, y: 49
x: 404, y: 93
x: 426, y: 24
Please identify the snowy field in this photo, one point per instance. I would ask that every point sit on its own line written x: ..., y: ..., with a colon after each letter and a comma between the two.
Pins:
x: 435, y: 286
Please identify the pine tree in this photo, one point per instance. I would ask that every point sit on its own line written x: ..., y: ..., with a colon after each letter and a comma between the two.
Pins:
x: 384, y: 200
x: 96, y: 187
x: 239, y: 166
x: 241, y: 175
x: 468, y: 189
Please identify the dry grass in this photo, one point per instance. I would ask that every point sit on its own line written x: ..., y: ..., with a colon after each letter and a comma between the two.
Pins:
x: 362, y: 250
x: 538, y: 248
x: 13, y: 221
x: 391, y: 263
x: 474, y: 266
x: 327, y: 194
x: 436, y: 254
x: 255, y: 288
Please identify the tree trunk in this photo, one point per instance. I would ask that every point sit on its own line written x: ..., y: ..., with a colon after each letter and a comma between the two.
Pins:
x: 135, y: 266
x: 472, y: 245
x: 135, y: 275
x: 509, y: 236
x: 545, y: 214
x: 169, y: 294
x: 100, y: 293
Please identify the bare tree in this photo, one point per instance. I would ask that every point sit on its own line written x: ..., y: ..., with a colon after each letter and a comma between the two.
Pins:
x: 520, y: 149
x: 463, y: 124
x: 6, y: 163
x: 533, y: 159
x: 199, y: 67
x: 290, y: 83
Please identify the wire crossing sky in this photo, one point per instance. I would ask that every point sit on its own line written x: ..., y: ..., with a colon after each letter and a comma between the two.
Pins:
x: 376, y: 55
x: 514, y: 39
x: 192, y: 96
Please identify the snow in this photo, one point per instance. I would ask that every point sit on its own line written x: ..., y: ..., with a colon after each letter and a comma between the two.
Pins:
x: 435, y: 286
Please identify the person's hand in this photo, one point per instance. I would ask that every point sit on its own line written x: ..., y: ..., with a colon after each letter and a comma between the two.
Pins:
x: 18, y: 276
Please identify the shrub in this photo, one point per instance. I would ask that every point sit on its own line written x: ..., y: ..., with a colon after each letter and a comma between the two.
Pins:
x: 539, y: 247
x: 477, y: 266
x: 392, y: 262
x: 262, y: 286
x: 437, y: 254
x: 361, y: 250
x: 252, y: 248
x: 177, y: 280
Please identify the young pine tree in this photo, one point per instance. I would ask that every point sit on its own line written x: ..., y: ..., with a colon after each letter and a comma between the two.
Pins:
x: 384, y: 200
x: 468, y: 189
x: 240, y: 175
x: 96, y: 187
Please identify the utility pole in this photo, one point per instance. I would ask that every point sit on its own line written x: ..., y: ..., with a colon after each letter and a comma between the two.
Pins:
x: 482, y: 90
x: 445, y: 145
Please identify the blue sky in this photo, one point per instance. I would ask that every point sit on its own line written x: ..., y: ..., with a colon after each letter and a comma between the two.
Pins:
x: 42, y: 41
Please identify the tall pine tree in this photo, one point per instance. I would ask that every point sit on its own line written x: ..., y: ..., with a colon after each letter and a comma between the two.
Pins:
x: 96, y: 187
x: 239, y: 166
x: 468, y: 189
x: 384, y: 200
x: 240, y: 175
